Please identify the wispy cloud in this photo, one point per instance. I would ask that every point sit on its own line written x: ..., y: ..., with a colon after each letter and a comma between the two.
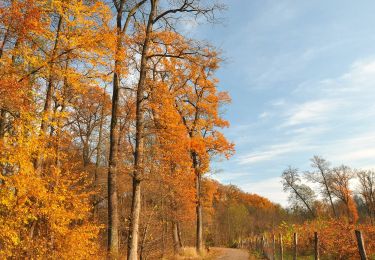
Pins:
x: 264, y: 115
x: 271, y: 152
x: 303, y: 82
x: 328, y: 123
x: 314, y: 111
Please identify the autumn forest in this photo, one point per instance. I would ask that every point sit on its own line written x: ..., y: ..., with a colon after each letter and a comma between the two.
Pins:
x: 110, y: 119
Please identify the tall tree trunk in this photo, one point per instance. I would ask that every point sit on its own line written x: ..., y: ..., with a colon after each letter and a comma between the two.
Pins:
x: 100, y: 137
x: 328, y: 192
x: 304, y: 202
x: 113, y: 220
x: 331, y: 201
x: 199, y: 220
x: 49, y: 93
x: 2, y: 123
x: 176, y: 238
x: 4, y: 42
x: 98, y: 154
x: 139, y: 140
x: 179, y: 234
x: 86, y: 152
x: 134, y: 222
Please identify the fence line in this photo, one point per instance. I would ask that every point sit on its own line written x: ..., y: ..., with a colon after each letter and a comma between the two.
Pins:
x: 275, y: 250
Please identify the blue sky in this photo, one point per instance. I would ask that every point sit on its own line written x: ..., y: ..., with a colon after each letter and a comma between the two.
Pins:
x: 302, y: 78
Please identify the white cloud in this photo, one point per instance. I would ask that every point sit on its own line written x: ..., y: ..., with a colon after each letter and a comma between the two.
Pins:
x: 264, y: 115
x: 353, y: 150
x: 357, y: 82
x: 333, y: 119
x: 336, y: 120
x: 311, y: 112
x: 271, y: 152
x: 278, y: 102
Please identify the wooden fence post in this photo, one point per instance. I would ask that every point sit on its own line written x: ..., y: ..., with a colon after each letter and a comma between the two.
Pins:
x: 316, y: 247
x: 281, y: 246
x: 262, y: 245
x: 273, y: 247
x: 295, y: 246
x: 361, y: 246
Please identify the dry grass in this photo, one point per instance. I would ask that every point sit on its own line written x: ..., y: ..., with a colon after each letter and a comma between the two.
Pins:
x: 191, y: 253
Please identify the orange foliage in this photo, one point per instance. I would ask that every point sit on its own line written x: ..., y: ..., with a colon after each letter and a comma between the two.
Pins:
x: 336, y: 237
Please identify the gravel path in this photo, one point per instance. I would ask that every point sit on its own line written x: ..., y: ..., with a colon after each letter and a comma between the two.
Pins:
x: 230, y: 254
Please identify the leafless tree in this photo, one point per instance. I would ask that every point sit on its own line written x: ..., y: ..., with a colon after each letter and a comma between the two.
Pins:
x: 298, y: 192
x: 322, y: 176
x: 367, y: 191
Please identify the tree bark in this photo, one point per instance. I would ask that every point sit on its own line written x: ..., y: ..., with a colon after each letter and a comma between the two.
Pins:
x: 4, y: 42
x: 113, y: 220
x: 281, y: 247
x: 49, y: 94
x: 304, y: 201
x: 199, y: 217
x: 179, y: 234
x: 328, y: 192
x: 99, y: 145
x: 98, y: 154
x: 50, y: 90
x: 176, y: 238
x: 134, y: 225
x: 2, y: 123
x: 361, y: 245
x: 139, y: 142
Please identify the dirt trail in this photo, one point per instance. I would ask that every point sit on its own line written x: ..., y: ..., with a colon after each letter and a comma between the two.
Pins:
x: 230, y: 254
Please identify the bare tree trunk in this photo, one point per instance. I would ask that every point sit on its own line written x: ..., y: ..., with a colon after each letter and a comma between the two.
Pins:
x: 332, y: 205
x: 2, y: 123
x: 86, y: 152
x: 361, y: 245
x: 50, y: 90
x: 99, y: 145
x: 59, y: 119
x: 176, y: 238
x: 329, y: 193
x: 134, y: 225
x: 281, y: 246
x: 143, y: 242
x: 49, y: 94
x: 4, y: 42
x: 199, y: 217
x: 139, y: 142
x: 98, y: 154
x: 179, y: 234
x: 304, y: 201
x: 113, y: 220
